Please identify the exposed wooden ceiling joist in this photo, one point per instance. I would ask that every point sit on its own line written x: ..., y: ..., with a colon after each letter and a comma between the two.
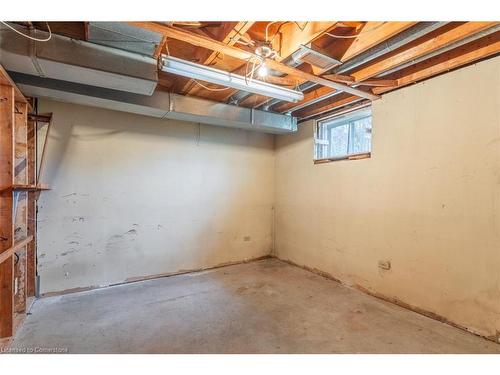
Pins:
x: 231, y: 38
x: 327, y: 106
x: 209, y: 43
x: 291, y: 36
x: 444, y: 48
x: 346, y: 49
x: 469, y: 53
x: 466, y: 54
x: 400, y: 57
x: 380, y: 82
x: 375, y: 33
x: 288, y: 40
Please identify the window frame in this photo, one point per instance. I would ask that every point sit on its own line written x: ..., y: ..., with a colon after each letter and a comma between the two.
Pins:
x: 339, y: 120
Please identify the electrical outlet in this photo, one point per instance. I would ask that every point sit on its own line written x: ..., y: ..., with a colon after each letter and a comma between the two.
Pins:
x: 384, y: 264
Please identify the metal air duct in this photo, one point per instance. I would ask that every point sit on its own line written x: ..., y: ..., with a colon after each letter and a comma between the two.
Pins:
x: 77, y: 61
x: 161, y: 105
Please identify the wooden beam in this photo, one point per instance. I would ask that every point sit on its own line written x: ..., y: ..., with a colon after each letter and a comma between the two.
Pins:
x: 40, y: 118
x: 6, y: 163
x: 6, y: 80
x: 339, y: 78
x: 23, y: 187
x: 6, y: 298
x: 389, y: 61
x: 21, y: 143
x: 31, y: 247
x: 7, y: 98
x: 230, y: 39
x: 86, y: 32
x: 291, y: 36
x: 466, y: 54
x: 257, y: 100
x: 380, y: 82
x: 159, y: 47
x: 479, y: 49
x: 283, y: 81
x: 320, y: 108
x: 400, y: 57
x: 321, y: 81
x: 10, y: 251
x: 310, y: 96
x: 21, y: 211
x: 205, y: 42
x: 345, y: 49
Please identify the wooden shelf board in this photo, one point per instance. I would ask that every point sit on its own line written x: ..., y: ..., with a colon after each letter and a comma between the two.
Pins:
x: 25, y: 187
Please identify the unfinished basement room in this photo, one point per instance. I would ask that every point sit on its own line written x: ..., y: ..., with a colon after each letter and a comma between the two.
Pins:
x: 249, y: 187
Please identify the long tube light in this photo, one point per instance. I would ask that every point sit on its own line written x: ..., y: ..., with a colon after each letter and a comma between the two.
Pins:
x: 204, y: 73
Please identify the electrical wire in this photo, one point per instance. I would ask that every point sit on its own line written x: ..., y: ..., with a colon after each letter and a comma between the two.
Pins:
x: 267, y: 28
x: 195, y: 80
x: 244, y: 43
x: 355, y: 36
x: 279, y: 28
x: 284, y: 23
x: 261, y: 62
x: 247, y: 74
x: 246, y: 70
x: 28, y: 36
x: 301, y: 28
x: 208, y: 88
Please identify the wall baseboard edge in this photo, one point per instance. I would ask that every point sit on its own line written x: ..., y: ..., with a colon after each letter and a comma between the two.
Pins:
x: 152, y: 277
x: 393, y: 300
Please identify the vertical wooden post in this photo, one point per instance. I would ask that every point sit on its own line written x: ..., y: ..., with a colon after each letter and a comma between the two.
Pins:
x: 31, y: 250
x: 21, y: 218
x: 6, y: 222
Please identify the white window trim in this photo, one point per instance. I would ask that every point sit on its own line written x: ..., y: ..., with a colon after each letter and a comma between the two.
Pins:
x: 340, y: 119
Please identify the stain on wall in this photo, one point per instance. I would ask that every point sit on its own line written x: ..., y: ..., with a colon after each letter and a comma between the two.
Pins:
x: 427, y: 202
x: 134, y: 196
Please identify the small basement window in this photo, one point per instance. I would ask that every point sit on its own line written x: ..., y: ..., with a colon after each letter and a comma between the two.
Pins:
x: 347, y: 136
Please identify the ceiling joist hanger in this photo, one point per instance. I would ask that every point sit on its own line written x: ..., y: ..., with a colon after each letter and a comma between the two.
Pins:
x: 205, y: 42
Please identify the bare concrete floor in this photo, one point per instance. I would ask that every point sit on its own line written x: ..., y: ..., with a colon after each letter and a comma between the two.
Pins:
x: 261, y: 307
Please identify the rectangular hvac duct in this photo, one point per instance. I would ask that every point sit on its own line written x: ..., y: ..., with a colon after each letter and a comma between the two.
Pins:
x: 78, y: 61
x: 204, y: 73
x: 160, y: 105
x: 316, y: 57
x: 124, y: 36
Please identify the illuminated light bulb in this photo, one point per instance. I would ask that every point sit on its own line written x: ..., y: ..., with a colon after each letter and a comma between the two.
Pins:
x: 262, y: 71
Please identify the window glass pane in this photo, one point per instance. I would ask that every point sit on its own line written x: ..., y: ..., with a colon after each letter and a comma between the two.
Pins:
x: 339, y: 139
x: 362, y: 135
x: 344, y: 135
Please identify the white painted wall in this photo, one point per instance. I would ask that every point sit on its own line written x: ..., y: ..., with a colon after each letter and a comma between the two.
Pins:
x: 428, y: 200
x: 135, y: 196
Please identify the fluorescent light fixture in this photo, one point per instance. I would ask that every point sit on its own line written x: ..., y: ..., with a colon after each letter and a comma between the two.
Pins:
x: 204, y: 73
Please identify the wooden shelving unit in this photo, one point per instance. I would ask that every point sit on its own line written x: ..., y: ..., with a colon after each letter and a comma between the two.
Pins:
x: 19, y: 190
